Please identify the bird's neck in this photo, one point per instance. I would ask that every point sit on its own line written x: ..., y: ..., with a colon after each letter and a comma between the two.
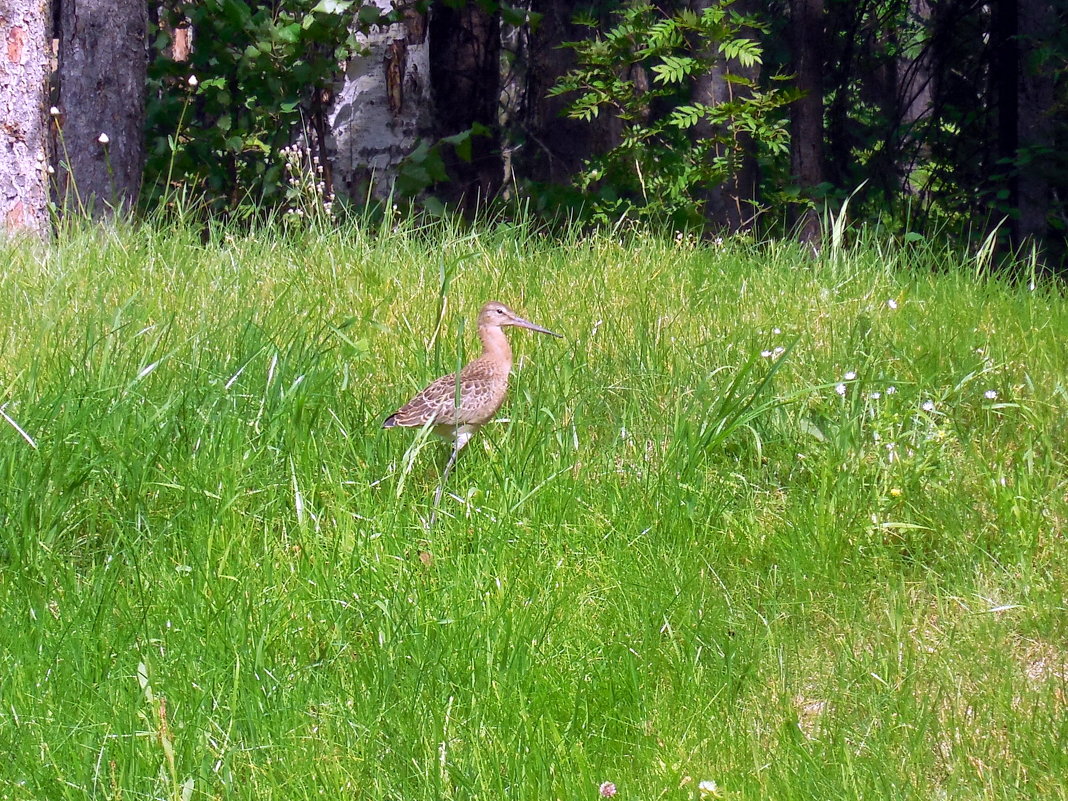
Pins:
x: 495, y: 344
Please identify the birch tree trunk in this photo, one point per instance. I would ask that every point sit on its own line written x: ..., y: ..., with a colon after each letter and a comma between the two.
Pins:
x: 381, y: 108
x: 103, y: 59
x: 25, y: 28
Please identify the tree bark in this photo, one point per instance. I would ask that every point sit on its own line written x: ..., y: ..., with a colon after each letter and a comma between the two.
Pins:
x: 25, y: 28
x: 731, y: 205
x: 1034, y: 122
x: 465, y: 77
x: 914, y: 89
x: 1004, y: 71
x: 381, y: 108
x: 103, y: 59
x: 806, y: 113
x: 556, y: 146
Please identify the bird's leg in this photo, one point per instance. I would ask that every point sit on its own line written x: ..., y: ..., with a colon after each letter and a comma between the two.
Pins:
x: 444, y: 478
x: 460, y: 439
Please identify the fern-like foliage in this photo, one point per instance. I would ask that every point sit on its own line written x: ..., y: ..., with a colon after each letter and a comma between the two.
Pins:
x: 672, y: 149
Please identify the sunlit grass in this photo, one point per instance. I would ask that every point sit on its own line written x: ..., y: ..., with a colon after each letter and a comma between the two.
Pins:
x: 796, y: 527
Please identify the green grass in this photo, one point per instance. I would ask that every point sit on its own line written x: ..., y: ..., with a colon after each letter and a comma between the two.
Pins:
x: 678, y: 561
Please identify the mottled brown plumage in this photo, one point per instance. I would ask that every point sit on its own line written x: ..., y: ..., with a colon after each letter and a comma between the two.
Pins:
x: 458, y: 404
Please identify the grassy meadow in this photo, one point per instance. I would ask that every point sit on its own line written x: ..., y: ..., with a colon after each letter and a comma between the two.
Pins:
x: 792, y: 526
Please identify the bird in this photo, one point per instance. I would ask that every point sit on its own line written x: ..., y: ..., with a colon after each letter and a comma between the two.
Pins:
x: 457, y: 405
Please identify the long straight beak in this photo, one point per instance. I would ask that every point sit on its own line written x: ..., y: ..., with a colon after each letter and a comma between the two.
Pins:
x: 527, y: 324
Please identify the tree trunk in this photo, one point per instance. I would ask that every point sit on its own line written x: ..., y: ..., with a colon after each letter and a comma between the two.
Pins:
x: 25, y: 26
x: 914, y: 89
x: 555, y: 146
x: 806, y: 113
x: 1004, y: 72
x: 103, y: 59
x: 381, y: 108
x: 732, y: 204
x: 1034, y: 122
x: 465, y: 76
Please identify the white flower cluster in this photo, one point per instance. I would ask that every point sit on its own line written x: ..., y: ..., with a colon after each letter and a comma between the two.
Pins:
x: 307, y: 186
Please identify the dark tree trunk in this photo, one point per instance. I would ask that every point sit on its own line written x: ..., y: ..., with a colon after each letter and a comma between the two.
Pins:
x: 1004, y: 72
x: 1034, y: 123
x: 845, y: 40
x: 103, y: 59
x: 806, y: 113
x: 465, y: 48
x: 731, y: 205
x: 555, y: 145
x: 25, y: 28
x: 914, y: 89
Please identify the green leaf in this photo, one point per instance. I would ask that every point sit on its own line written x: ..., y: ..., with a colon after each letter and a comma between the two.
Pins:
x: 511, y: 15
x: 686, y: 116
x: 334, y: 6
x: 370, y: 15
x: 236, y: 12
x: 433, y: 206
x: 746, y: 51
x: 674, y: 69
x: 288, y: 33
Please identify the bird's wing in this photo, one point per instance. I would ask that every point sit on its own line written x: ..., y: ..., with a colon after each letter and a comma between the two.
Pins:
x: 435, y: 404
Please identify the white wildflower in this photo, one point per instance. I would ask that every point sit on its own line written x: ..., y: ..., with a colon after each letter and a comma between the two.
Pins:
x: 892, y: 303
x: 991, y: 394
x: 708, y: 787
x: 193, y: 81
x: 850, y: 376
x: 928, y: 406
x: 103, y: 139
x: 840, y: 389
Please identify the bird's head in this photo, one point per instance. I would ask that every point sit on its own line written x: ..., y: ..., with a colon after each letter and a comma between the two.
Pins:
x: 497, y: 315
